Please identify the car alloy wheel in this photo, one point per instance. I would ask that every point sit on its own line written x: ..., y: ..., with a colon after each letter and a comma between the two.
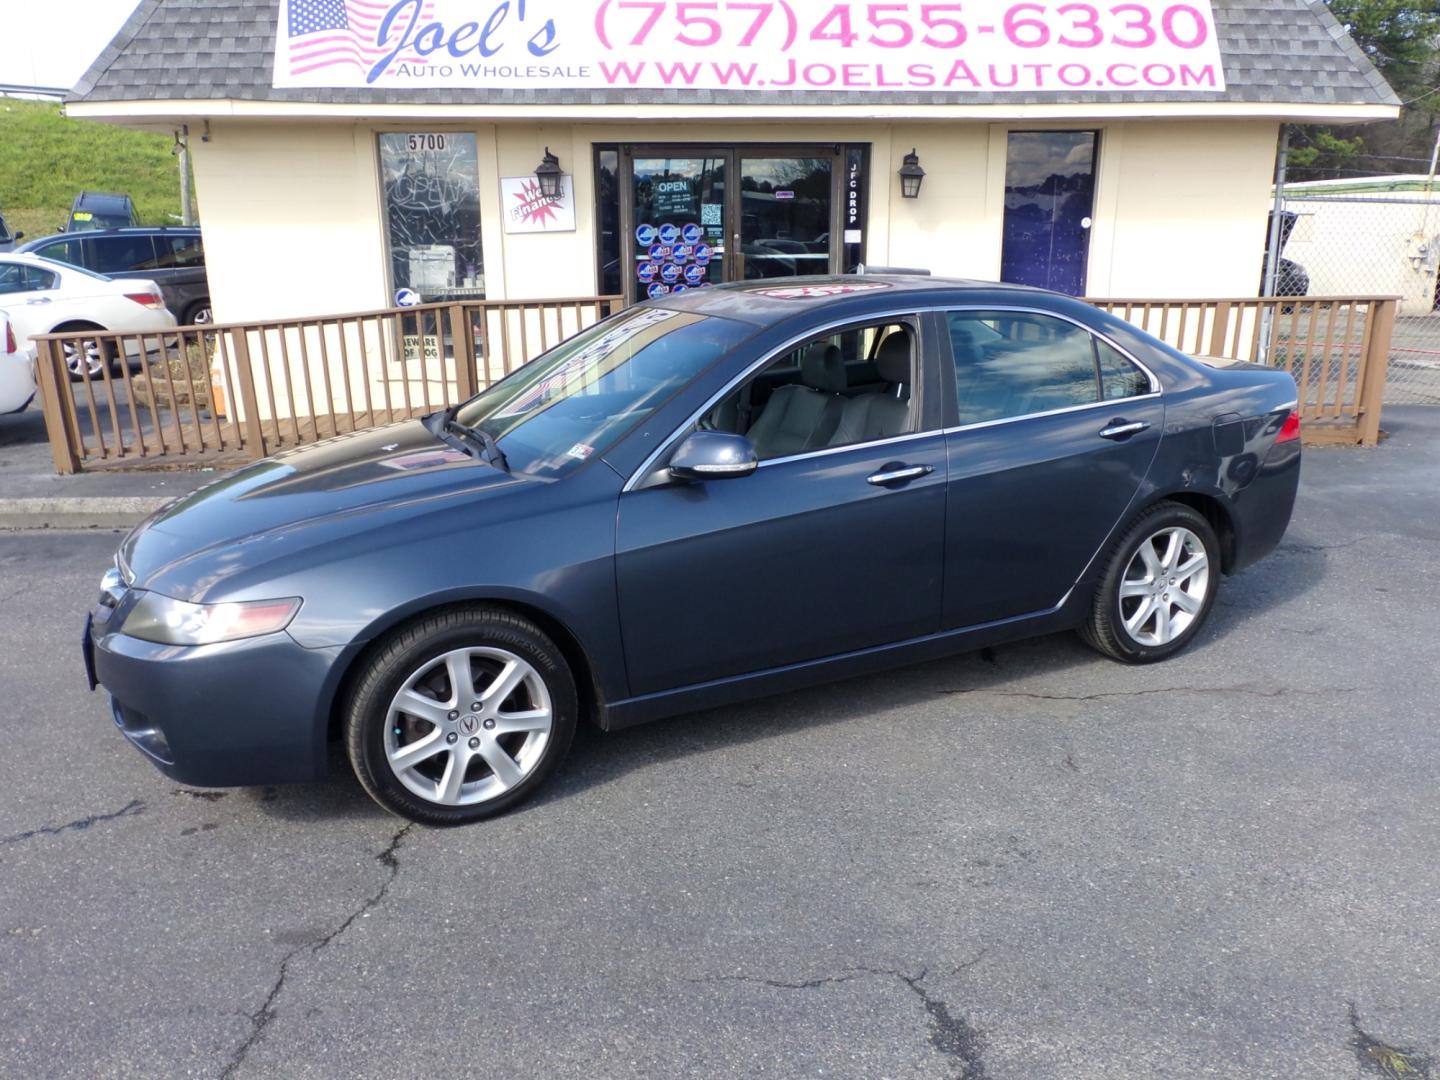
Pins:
x: 1158, y: 585
x: 90, y: 352
x: 1165, y: 587
x: 460, y: 715
x: 468, y: 726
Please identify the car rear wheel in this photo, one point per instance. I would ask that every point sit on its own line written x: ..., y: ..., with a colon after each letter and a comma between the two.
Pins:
x: 460, y: 716
x: 1158, y: 587
x: 199, y: 314
x: 81, y: 357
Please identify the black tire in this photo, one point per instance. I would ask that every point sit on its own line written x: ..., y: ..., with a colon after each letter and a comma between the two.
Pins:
x: 199, y: 313
x: 396, y: 662
x: 1105, y: 630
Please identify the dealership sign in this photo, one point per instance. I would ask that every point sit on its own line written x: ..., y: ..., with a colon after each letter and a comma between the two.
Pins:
x: 755, y: 46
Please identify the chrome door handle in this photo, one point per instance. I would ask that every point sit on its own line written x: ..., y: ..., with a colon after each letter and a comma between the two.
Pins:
x: 1119, y: 429
x: 39, y: 300
x: 895, y: 476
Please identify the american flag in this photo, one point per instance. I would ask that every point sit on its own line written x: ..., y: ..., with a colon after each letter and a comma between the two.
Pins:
x: 326, y: 33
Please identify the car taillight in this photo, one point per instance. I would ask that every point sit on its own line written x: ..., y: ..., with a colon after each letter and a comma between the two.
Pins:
x: 1290, y: 430
x: 10, y: 344
x: 146, y: 299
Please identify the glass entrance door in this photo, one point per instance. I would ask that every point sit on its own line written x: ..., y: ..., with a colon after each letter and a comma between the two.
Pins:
x: 786, y: 207
x: 686, y: 224
x: 677, y: 240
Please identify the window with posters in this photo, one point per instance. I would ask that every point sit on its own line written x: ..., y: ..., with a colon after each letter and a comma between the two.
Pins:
x: 431, y: 186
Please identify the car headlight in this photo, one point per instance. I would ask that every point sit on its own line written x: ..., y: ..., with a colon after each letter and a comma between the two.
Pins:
x: 165, y: 621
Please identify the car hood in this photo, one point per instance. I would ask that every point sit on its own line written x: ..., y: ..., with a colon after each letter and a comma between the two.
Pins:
x: 301, y: 499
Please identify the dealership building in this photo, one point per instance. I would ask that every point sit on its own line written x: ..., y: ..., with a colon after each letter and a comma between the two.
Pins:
x: 349, y: 152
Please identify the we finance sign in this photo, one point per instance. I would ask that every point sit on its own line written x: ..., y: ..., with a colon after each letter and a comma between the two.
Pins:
x: 758, y: 46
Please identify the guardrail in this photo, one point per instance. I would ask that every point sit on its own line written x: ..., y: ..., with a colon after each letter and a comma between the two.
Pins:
x: 235, y: 392
x: 1336, y: 347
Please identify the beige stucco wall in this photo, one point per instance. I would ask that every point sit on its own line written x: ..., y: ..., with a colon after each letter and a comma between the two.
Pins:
x: 293, y: 224
x: 1181, y: 208
x: 290, y: 213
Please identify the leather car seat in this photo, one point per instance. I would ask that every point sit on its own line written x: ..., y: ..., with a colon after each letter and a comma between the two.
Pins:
x: 881, y: 414
x: 802, y: 416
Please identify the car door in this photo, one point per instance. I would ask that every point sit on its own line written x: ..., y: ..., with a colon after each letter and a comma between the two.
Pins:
x: 1055, y: 431
x: 826, y: 548
x: 28, y: 295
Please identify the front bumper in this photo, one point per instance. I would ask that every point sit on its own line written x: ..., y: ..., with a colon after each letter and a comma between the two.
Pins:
x: 243, y: 713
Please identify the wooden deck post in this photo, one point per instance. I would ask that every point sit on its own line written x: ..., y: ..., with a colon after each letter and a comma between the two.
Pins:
x: 462, y: 342
x: 1377, y: 362
x: 254, y: 430
x: 53, y: 379
x: 1220, y: 329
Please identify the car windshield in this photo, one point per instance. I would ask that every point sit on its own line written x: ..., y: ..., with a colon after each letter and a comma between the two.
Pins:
x: 577, y: 399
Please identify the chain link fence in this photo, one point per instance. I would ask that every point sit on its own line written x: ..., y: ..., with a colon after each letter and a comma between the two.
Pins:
x: 1375, y: 245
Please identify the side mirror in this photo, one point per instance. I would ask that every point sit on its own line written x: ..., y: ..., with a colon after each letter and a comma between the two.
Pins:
x: 19, y: 236
x: 713, y: 455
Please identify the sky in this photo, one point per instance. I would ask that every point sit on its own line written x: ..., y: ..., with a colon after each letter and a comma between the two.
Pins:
x: 53, y: 43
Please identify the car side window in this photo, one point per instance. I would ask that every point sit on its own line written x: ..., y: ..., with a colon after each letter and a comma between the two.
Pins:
x: 65, y: 251
x: 1119, y: 378
x: 1010, y: 363
x: 19, y: 278
x: 122, y: 254
x: 840, y: 388
x: 179, y: 251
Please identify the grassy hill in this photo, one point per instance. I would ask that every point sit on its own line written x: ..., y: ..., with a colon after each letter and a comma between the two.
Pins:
x: 46, y: 159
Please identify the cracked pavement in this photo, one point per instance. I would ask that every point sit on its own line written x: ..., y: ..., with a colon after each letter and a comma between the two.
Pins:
x: 1025, y: 863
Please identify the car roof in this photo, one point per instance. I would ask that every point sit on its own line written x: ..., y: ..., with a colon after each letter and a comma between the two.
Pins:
x: 35, y: 260
x: 123, y: 230
x: 101, y: 198
x: 774, y: 300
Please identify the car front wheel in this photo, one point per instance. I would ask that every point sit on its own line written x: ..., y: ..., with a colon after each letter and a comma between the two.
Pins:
x: 1158, y: 587
x: 460, y: 716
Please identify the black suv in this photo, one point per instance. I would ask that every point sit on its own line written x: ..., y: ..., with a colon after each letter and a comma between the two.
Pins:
x: 173, y: 257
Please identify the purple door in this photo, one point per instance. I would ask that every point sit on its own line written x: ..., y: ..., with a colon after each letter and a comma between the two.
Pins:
x: 1049, y: 198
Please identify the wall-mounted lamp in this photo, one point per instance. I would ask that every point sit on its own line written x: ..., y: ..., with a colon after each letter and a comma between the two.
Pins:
x: 911, y: 174
x: 548, y: 174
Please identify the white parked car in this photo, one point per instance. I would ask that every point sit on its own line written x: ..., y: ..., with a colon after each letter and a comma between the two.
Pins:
x: 43, y: 297
x: 17, y: 370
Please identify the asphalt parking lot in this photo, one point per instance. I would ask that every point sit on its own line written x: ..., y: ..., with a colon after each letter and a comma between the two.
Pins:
x: 1025, y: 863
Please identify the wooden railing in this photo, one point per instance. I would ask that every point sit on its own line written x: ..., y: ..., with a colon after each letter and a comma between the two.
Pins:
x: 230, y: 393
x: 237, y: 392
x: 1336, y: 347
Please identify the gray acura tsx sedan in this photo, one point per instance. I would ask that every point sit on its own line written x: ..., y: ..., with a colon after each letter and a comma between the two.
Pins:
x: 731, y: 492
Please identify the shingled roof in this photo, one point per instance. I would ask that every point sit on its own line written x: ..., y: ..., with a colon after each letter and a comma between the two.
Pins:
x: 1274, y: 51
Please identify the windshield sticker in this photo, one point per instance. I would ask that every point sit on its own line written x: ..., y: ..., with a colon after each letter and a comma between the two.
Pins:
x: 580, y: 451
x: 810, y: 292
